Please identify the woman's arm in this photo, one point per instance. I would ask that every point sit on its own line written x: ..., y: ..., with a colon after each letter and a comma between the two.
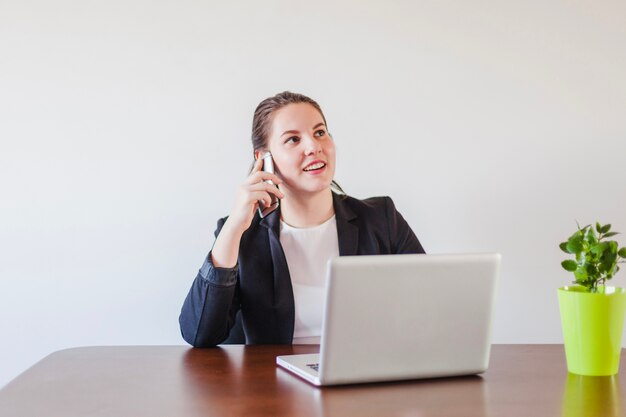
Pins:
x: 210, y: 309
x: 211, y: 305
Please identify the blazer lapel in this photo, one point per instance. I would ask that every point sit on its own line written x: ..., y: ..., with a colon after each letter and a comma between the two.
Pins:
x: 347, y: 233
x: 282, y: 280
x: 283, y: 300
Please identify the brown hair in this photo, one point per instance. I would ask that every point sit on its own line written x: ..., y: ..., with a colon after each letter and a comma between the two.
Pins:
x: 263, y: 117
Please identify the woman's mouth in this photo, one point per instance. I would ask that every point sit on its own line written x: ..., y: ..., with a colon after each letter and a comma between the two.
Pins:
x: 315, y: 166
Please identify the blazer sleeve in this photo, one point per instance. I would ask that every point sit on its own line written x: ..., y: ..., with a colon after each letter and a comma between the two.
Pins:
x: 402, y: 239
x: 211, y: 305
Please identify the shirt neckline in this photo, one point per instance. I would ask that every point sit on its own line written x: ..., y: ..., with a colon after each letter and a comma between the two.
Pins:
x: 287, y: 226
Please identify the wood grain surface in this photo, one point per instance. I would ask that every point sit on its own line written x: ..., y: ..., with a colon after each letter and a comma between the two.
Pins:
x: 177, y: 381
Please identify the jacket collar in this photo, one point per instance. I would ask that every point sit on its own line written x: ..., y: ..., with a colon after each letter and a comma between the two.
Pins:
x: 347, y: 233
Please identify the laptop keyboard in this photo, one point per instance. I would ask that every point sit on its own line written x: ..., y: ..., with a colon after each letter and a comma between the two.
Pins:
x: 314, y: 366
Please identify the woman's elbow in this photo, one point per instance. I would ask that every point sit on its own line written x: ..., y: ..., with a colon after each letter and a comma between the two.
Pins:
x: 198, y: 340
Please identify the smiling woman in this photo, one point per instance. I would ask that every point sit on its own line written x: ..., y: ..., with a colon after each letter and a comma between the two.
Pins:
x: 263, y: 281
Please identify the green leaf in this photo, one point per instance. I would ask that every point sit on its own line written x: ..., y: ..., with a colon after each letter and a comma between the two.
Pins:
x: 622, y: 252
x: 569, y: 265
x: 598, y: 227
x: 563, y: 247
x: 605, y: 228
x: 585, y: 246
x: 608, y: 261
x: 576, y: 234
x: 592, y: 271
x: 608, y: 256
x: 580, y: 274
x: 575, y: 244
x: 611, y: 234
x: 591, y: 236
x: 613, y: 246
x: 598, y: 248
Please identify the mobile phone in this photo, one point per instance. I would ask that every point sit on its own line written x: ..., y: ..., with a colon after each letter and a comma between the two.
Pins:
x: 268, y: 166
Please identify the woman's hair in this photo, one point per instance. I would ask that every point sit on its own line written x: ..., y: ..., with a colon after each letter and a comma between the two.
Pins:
x: 264, y: 115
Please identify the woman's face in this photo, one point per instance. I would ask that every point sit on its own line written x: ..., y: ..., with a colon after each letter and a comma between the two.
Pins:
x: 302, y: 149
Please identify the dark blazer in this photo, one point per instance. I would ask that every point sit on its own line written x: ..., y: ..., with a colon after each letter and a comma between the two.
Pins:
x: 253, y: 302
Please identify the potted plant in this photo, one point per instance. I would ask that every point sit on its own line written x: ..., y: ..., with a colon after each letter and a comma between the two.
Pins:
x: 592, y: 314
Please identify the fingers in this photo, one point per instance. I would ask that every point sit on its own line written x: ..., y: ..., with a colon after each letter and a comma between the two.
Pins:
x: 263, y: 196
x: 258, y: 165
x: 260, y: 176
x: 257, y: 196
x: 256, y: 190
x: 267, y: 188
x: 263, y: 191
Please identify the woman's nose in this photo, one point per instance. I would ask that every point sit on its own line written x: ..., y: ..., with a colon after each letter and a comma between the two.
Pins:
x: 312, y: 146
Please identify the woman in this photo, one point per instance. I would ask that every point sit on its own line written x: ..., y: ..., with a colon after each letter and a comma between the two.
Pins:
x: 263, y: 281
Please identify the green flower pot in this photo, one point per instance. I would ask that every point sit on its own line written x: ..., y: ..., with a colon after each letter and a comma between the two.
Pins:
x: 592, y: 329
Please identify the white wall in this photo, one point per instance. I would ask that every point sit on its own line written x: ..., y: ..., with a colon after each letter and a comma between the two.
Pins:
x: 124, y: 128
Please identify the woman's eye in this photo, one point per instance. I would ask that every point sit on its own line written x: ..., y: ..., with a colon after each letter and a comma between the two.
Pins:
x: 320, y: 132
x: 293, y: 139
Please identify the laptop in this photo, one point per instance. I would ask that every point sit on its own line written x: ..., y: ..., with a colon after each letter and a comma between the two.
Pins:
x: 400, y: 317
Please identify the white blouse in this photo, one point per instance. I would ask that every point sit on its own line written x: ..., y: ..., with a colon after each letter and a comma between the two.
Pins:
x: 308, y: 251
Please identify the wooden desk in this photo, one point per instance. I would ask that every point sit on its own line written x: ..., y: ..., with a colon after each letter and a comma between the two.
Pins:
x: 177, y: 381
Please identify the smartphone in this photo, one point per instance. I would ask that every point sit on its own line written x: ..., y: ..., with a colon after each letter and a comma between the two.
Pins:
x: 268, y: 166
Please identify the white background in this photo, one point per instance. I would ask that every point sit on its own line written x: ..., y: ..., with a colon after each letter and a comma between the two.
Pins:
x: 125, y: 126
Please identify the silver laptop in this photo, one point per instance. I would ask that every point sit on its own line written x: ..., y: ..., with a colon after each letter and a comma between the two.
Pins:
x: 398, y: 317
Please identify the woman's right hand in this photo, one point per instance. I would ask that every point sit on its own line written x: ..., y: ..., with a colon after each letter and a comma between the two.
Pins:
x: 250, y: 192
x: 226, y: 248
